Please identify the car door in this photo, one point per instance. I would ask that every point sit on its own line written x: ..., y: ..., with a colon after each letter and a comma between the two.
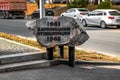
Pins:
x: 98, y: 17
x: 90, y: 19
x: 74, y: 13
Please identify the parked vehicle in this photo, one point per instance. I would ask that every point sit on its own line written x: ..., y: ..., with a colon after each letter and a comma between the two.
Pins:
x: 102, y: 18
x: 75, y: 12
x: 13, y: 8
x: 57, y: 1
x: 116, y: 2
x: 60, y: 1
x: 36, y: 14
x: 1, y: 14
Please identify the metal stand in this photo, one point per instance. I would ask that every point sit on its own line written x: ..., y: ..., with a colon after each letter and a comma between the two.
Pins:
x: 61, y: 51
x: 49, y: 55
x: 71, y: 56
x: 71, y: 62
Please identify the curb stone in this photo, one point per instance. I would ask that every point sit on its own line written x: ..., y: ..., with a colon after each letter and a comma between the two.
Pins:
x: 47, y: 63
x: 20, y: 57
x: 78, y: 62
x: 27, y: 65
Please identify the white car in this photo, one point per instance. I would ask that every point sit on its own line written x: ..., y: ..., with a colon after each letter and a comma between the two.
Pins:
x: 102, y: 18
x: 75, y: 13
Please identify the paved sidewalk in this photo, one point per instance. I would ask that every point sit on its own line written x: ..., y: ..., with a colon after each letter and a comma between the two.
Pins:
x: 60, y: 72
x: 10, y: 47
x: 64, y: 72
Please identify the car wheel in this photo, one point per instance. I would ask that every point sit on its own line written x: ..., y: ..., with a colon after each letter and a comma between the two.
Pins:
x: 13, y: 17
x: 84, y: 23
x: 6, y: 17
x: 32, y: 17
x: 103, y: 25
x: 118, y: 27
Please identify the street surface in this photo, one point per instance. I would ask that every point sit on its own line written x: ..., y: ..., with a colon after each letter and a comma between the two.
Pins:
x: 15, y: 26
x: 64, y: 72
x: 101, y: 40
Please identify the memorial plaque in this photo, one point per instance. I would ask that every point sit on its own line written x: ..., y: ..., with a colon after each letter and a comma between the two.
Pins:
x: 52, y: 31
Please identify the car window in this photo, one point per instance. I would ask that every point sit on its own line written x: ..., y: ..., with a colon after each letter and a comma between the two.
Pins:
x: 92, y: 13
x: 105, y: 13
x: 82, y: 9
x: 73, y: 10
x: 69, y: 11
x: 99, y: 13
x: 114, y: 13
x: 0, y: 10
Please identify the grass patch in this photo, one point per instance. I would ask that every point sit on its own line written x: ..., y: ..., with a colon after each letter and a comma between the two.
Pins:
x: 81, y: 55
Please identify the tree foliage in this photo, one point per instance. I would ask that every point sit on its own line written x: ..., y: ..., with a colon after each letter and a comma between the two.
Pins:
x: 91, y: 7
x: 105, y: 5
x: 37, y: 1
x: 77, y: 3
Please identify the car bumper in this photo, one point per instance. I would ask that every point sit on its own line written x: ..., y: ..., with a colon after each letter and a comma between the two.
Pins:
x: 118, y: 24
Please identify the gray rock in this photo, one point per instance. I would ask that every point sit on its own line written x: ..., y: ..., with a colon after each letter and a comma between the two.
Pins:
x: 52, y: 31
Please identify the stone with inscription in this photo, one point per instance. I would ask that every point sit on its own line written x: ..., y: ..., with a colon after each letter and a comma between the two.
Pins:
x: 53, y: 31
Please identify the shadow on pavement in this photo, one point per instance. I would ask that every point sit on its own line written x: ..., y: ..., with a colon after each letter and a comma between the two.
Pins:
x: 64, y: 72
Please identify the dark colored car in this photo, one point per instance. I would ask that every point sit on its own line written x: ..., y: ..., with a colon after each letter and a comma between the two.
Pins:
x: 48, y: 12
x: 117, y: 2
x: 60, y: 1
x: 57, y: 1
x: 1, y: 14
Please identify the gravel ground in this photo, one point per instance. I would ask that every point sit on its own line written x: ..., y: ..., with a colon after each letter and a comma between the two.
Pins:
x: 7, y: 47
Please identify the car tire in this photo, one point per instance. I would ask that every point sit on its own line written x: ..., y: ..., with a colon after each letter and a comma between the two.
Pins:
x: 13, y: 17
x: 32, y: 17
x: 6, y: 15
x: 103, y: 25
x: 118, y: 27
x: 84, y: 23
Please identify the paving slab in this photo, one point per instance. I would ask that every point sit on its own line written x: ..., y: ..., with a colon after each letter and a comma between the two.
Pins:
x: 10, y: 47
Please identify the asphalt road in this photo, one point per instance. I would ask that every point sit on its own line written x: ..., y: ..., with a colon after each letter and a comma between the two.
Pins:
x: 105, y: 41
x: 64, y: 72
x: 15, y: 26
x: 101, y: 40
